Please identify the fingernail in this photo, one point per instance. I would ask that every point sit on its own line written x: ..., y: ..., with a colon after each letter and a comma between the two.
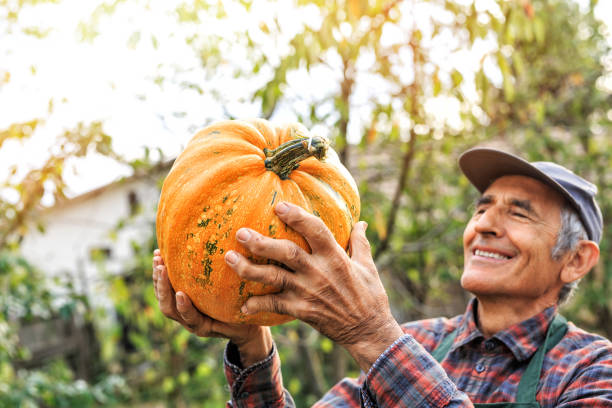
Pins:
x: 281, y: 208
x: 231, y: 257
x: 365, y: 225
x: 243, y: 235
x: 244, y: 309
x: 180, y: 300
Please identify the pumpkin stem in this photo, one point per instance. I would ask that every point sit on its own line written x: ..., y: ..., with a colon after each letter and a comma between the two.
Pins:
x: 287, y: 157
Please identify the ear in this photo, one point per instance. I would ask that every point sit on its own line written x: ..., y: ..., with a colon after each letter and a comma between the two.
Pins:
x: 580, y: 261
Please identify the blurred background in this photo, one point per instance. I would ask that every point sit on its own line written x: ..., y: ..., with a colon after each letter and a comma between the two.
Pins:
x: 98, y: 97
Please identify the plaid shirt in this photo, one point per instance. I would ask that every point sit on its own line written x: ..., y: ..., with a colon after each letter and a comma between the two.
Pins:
x: 577, y: 372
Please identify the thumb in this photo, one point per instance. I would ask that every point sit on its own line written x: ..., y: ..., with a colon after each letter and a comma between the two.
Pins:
x: 193, y: 320
x: 359, y: 244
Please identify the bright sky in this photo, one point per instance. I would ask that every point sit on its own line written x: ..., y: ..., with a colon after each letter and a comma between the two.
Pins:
x: 111, y: 79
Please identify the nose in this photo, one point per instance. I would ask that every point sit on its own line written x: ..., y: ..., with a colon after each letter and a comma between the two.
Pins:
x: 490, y: 223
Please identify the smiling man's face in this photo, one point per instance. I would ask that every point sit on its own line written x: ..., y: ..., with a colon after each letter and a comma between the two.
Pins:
x: 508, y: 242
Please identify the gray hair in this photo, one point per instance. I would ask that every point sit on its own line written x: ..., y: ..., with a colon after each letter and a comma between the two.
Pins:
x: 572, y: 231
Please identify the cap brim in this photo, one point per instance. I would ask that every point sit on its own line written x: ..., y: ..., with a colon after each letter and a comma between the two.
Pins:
x: 482, y: 166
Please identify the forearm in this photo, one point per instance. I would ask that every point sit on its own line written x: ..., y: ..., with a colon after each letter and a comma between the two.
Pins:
x: 367, y: 350
x: 256, y: 348
x: 405, y: 375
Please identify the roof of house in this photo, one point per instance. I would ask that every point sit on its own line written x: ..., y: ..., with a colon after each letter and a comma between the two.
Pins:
x: 139, y: 174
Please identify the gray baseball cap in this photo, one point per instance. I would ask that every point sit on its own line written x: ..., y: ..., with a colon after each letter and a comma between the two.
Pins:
x: 482, y: 166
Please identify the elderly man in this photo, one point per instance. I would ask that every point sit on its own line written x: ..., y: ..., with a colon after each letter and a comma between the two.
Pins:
x: 533, y: 235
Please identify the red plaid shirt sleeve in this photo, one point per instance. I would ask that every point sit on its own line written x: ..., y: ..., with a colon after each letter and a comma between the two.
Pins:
x: 406, y: 375
x: 260, y: 385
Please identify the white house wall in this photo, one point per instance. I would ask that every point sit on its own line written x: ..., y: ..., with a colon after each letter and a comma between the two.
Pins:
x: 76, y: 227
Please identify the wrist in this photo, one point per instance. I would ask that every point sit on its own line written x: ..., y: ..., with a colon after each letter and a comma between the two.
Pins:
x: 256, y: 347
x: 366, y: 351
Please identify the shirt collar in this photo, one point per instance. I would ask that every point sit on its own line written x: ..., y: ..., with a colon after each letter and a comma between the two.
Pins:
x: 522, y: 339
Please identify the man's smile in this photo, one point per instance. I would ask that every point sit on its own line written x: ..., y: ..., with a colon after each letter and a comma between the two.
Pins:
x: 493, y: 255
x: 490, y: 254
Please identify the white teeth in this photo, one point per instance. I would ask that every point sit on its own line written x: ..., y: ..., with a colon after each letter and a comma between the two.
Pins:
x: 487, y: 254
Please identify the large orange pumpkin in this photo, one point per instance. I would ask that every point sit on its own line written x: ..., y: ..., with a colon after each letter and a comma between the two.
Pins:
x: 231, y: 175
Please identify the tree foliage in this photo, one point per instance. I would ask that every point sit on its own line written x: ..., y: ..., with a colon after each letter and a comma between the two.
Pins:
x: 27, y: 297
x: 401, y: 88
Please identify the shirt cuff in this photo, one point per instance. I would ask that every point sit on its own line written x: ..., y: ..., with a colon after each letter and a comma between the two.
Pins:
x: 258, y: 385
x: 405, y: 375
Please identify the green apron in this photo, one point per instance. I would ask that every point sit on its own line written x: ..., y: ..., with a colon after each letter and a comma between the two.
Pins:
x: 526, y: 393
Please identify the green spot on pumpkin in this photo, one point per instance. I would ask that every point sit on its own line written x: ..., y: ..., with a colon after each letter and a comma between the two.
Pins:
x: 221, y: 251
x: 214, y: 132
x: 207, y: 264
x: 202, y: 282
x: 271, y: 230
x: 273, y: 198
x: 206, y: 208
x: 315, y: 212
x: 211, y: 247
x: 204, y: 223
x: 225, y: 198
x: 230, y: 211
x: 241, y: 288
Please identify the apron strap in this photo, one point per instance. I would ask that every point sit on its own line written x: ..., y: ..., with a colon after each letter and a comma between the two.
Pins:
x: 531, y: 377
x: 444, y: 346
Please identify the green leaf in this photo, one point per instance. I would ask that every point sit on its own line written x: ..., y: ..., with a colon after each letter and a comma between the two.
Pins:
x: 539, y: 30
x: 456, y: 77
x: 437, y: 84
x: 518, y: 63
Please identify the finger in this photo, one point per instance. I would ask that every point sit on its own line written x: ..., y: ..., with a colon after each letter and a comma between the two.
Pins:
x: 359, y: 244
x: 311, y: 227
x: 267, y: 274
x: 193, y: 320
x: 202, y: 325
x: 165, y: 295
x: 156, y: 258
x: 275, y: 303
x: 282, y: 250
x: 155, y: 278
x: 155, y: 274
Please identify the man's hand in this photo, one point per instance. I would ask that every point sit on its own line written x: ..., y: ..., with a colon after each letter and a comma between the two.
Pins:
x: 254, y: 342
x: 341, y: 297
